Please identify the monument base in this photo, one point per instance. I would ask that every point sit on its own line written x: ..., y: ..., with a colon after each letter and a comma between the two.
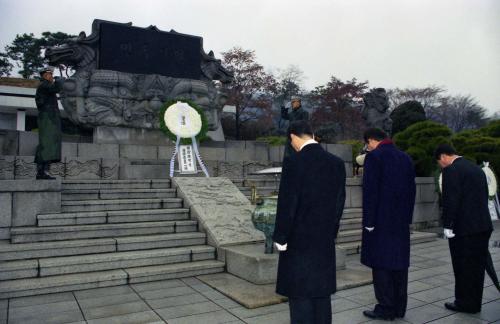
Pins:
x: 141, y: 136
x: 125, y: 135
x: 249, y: 262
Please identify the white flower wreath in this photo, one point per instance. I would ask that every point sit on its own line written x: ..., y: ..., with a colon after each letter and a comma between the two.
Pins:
x: 492, y: 181
x: 183, y: 120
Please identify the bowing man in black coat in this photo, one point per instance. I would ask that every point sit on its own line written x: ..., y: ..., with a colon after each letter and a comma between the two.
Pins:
x: 388, y: 202
x: 467, y: 225
x: 310, y: 204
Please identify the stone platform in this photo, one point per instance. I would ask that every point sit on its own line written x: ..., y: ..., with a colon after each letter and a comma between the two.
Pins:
x: 249, y: 262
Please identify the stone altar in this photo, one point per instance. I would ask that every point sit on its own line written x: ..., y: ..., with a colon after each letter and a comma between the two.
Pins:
x: 123, y: 75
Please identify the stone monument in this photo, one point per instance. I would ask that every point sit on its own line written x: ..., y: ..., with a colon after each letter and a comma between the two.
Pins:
x: 123, y: 75
x: 376, y: 110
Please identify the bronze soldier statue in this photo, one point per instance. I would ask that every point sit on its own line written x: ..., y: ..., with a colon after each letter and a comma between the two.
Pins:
x: 49, y: 123
x: 297, y: 113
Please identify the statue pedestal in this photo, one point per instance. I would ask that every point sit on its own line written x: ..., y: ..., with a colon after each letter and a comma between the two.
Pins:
x: 249, y: 262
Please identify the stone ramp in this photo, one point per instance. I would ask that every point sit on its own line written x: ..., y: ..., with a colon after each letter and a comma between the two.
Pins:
x: 110, y: 232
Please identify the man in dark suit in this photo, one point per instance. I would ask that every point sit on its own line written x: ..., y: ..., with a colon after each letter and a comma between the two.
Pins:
x: 467, y: 225
x: 310, y: 204
x: 388, y: 201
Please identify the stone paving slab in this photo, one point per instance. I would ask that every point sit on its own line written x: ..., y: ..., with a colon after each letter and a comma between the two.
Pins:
x: 52, y: 318
x: 149, y: 317
x: 170, y: 313
x: 177, y: 301
x: 244, y: 292
x: 107, y: 301
x: 115, y: 310
x: 221, y: 316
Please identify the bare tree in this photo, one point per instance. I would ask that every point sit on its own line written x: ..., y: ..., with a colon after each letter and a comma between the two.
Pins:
x: 428, y: 97
x: 459, y: 113
x: 290, y: 81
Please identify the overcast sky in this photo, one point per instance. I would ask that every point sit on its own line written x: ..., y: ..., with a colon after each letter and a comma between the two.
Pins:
x: 390, y: 43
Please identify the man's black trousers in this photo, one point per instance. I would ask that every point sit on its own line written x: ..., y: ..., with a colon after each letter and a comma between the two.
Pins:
x: 310, y: 310
x: 391, y: 291
x: 468, y: 256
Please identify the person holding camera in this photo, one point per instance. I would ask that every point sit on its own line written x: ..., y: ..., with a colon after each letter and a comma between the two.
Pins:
x: 296, y: 114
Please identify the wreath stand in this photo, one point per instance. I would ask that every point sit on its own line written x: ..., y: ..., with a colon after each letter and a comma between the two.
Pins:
x: 183, y: 120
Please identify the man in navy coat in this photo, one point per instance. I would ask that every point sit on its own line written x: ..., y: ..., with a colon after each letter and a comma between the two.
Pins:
x: 467, y: 225
x: 310, y: 204
x: 388, y: 201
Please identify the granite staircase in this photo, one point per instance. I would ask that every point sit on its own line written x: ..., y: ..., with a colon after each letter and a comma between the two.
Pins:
x: 349, y: 237
x: 109, y: 232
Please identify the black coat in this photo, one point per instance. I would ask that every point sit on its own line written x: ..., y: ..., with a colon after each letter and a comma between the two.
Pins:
x: 388, y: 202
x: 310, y: 204
x: 49, y: 122
x: 465, y: 199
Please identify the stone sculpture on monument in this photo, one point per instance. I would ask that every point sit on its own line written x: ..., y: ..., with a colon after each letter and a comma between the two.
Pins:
x: 376, y: 110
x: 123, y: 75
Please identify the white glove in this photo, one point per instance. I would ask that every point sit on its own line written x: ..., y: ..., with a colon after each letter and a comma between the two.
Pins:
x: 369, y: 229
x: 448, y: 233
x: 281, y: 247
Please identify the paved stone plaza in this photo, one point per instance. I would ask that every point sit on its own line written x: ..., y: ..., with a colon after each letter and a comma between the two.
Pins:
x: 191, y: 301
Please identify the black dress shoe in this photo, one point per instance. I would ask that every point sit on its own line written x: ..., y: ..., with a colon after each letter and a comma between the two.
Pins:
x: 373, y: 315
x: 44, y: 176
x: 454, y: 307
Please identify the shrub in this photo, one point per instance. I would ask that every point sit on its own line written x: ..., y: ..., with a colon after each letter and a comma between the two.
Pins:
x: 272, y: 140
x: 407, y: 114
x: 419, y: 141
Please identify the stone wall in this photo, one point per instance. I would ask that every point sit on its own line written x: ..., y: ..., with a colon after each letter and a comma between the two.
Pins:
x: 426, y: 212
x: 22, y: 200
x: 232, y: 159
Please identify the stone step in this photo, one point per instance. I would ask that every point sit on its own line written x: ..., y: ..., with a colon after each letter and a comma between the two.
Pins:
x: 104, y: 261
x: 349, y: 236
x: 119, y: 204
x: 18, y: 269
x: 131, y: 243
x: 171, y: 271
x: 119, y: 216
x: 415, y: 238
x: 81, y: 281
x: 352, y: 213
x: 350, y: 224
x: 94, y: 194
x: 59, y: 233
x: 116, y: 184
x: 21, y: 251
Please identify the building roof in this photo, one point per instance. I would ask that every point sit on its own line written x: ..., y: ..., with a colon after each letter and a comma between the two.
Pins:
x: 19, y: 82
